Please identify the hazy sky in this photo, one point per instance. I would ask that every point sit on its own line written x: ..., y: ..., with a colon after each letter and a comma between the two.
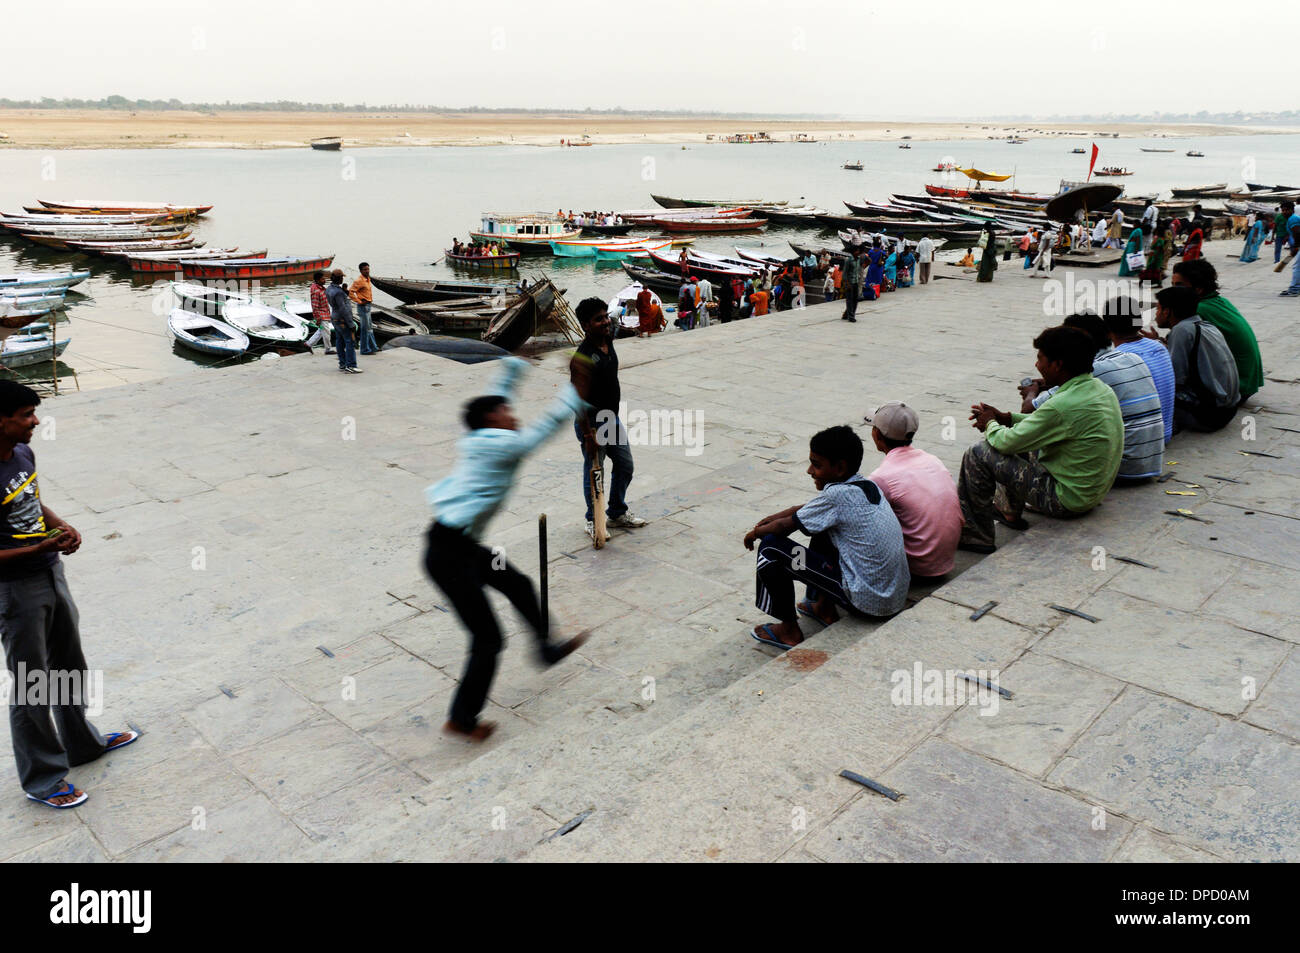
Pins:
x: 862, y: 58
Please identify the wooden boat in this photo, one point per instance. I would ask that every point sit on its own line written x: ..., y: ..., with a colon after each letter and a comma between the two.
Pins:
x: 905, y: 145
x: 622, y: 229
x: 853, y: 166
x: 96, y: 206
x: 1198, y: 190
x: 761, y: 258
x: 660, y: 281
x: 416, y: 291
x: 801, y: 215
x: 1080, y: 152
x: 950, y: 193
x: 514, y: 326
x: 506, y: 261
x: 96, y: 231
x: 255, y: 267
x: 126, y: 249
x: 621, y: 252
x: 39, y: 279
x: 1111, y: 172
x: 672, y: 203
x: 170, y: 261
x: 202, y: 299
x: 265, y: 325
x: 206, y: 335
x: 700, y: 268
x: 528, y: 232
x: 327, y: 144
x: 622, y: 308
x: 1195, y: 155
x: 876, y: 210
x: 30, y: 301
x: 710, y: 224
x: 55, y: 218
x: 586, y: 247
x: 1151, y: 150
x: 31, y: 347
x: 452, y: 348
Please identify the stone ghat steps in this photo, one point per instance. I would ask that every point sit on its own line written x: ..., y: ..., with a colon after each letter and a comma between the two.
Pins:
x: 592, y: 748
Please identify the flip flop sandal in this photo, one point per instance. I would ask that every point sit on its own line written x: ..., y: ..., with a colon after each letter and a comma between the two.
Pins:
x: 109, y: 739
x: 68, y: 788
x: 768, y: 637
x: 805, y: 608
x: 1005, y: 520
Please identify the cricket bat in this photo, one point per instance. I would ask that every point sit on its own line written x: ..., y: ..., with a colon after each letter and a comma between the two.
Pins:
x: 1284, y: 262
x: 599, y: 533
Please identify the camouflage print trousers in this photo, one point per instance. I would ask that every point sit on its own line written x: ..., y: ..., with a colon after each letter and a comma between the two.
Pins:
x: 991, y: 479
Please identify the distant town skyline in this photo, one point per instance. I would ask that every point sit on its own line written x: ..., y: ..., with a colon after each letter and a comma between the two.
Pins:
x: 868, y: 61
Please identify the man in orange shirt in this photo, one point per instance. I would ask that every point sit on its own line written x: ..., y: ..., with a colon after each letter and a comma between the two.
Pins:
x: 363, y: 295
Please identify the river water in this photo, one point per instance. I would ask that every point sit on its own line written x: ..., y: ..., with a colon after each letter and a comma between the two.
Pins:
x: 398, y: 208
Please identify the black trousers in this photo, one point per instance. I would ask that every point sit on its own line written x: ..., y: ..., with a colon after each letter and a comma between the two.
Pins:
x: 850, y: 299
x: 460, y: 567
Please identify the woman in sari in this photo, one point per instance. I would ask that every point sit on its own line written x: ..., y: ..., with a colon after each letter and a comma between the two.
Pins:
x: 989, y: 260
x: 1162, y: 246
x: 1254, y: 238
x: 876, y: 265
x: 1136, y: 243
x: 1192, y: 250
x: 891, y: 272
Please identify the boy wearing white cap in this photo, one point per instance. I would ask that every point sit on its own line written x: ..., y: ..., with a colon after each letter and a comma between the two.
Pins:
x: 920, y: 489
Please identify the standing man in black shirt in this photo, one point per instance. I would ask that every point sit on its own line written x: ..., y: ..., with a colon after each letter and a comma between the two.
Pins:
x: 594, y: 373
x: 39, y: 622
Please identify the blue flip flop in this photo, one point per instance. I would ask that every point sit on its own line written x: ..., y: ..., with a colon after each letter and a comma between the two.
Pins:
x: 68, y: 788
x: 109, y: 739
x: 768, y: 638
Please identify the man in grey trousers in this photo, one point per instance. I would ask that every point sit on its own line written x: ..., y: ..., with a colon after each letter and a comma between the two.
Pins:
x: 38, y: 622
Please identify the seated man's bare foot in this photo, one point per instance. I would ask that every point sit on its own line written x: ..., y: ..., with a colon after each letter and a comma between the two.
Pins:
x: 479, y: 733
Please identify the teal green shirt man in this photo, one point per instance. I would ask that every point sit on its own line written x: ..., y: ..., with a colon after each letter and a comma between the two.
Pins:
x: 1079, y: 436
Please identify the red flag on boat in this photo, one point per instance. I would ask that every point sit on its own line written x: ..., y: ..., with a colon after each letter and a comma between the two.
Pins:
x: 1095, y: 152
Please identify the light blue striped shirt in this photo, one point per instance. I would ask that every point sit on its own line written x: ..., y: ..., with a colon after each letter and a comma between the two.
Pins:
x: 1162, y: 372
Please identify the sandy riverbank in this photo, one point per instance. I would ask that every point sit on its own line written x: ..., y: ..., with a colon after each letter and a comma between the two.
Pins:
x: 105, y: 129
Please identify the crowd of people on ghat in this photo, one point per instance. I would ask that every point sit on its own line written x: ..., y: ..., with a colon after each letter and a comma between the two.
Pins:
x: 1108, y: 398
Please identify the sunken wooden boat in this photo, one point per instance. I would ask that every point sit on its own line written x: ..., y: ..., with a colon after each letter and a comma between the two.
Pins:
x: 1197, y: 191
x: 385, y: 322
x: 327, y: 144
x: 418, y: 291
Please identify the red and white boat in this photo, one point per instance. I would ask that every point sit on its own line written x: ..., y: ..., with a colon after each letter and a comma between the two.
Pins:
x: 236, y: 268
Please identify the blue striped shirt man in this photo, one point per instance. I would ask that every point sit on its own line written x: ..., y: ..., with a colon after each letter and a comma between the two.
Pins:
x: 1162, y: 372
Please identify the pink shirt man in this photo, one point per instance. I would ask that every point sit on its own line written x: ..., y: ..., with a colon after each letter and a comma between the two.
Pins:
x: 924, y: 498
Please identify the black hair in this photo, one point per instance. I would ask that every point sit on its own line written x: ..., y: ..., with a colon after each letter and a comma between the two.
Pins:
x: 1179, y: 299
x: 364, y: 264
x: 1091, y: 325
x: 476, y: 410
x: 588, y: 307
x: 1200, y: 274
x: 1122, y: 316
x: 15, y: 396
x: 318, y: 275
x: 1072, y: 347
x: 838, y: 444
x: 893, y: 444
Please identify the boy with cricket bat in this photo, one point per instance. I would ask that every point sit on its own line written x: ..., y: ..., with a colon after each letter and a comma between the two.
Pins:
x: 594, y: 374
x: 461, y: 566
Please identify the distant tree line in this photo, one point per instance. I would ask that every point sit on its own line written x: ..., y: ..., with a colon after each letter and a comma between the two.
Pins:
x: 1287, y: 117
x: 289, y: 105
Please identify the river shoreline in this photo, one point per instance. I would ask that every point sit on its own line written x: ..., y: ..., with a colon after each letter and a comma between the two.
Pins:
x: 106, y: 129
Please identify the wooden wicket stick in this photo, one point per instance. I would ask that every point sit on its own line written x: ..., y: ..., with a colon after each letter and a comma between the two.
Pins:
x: 542, y: 574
